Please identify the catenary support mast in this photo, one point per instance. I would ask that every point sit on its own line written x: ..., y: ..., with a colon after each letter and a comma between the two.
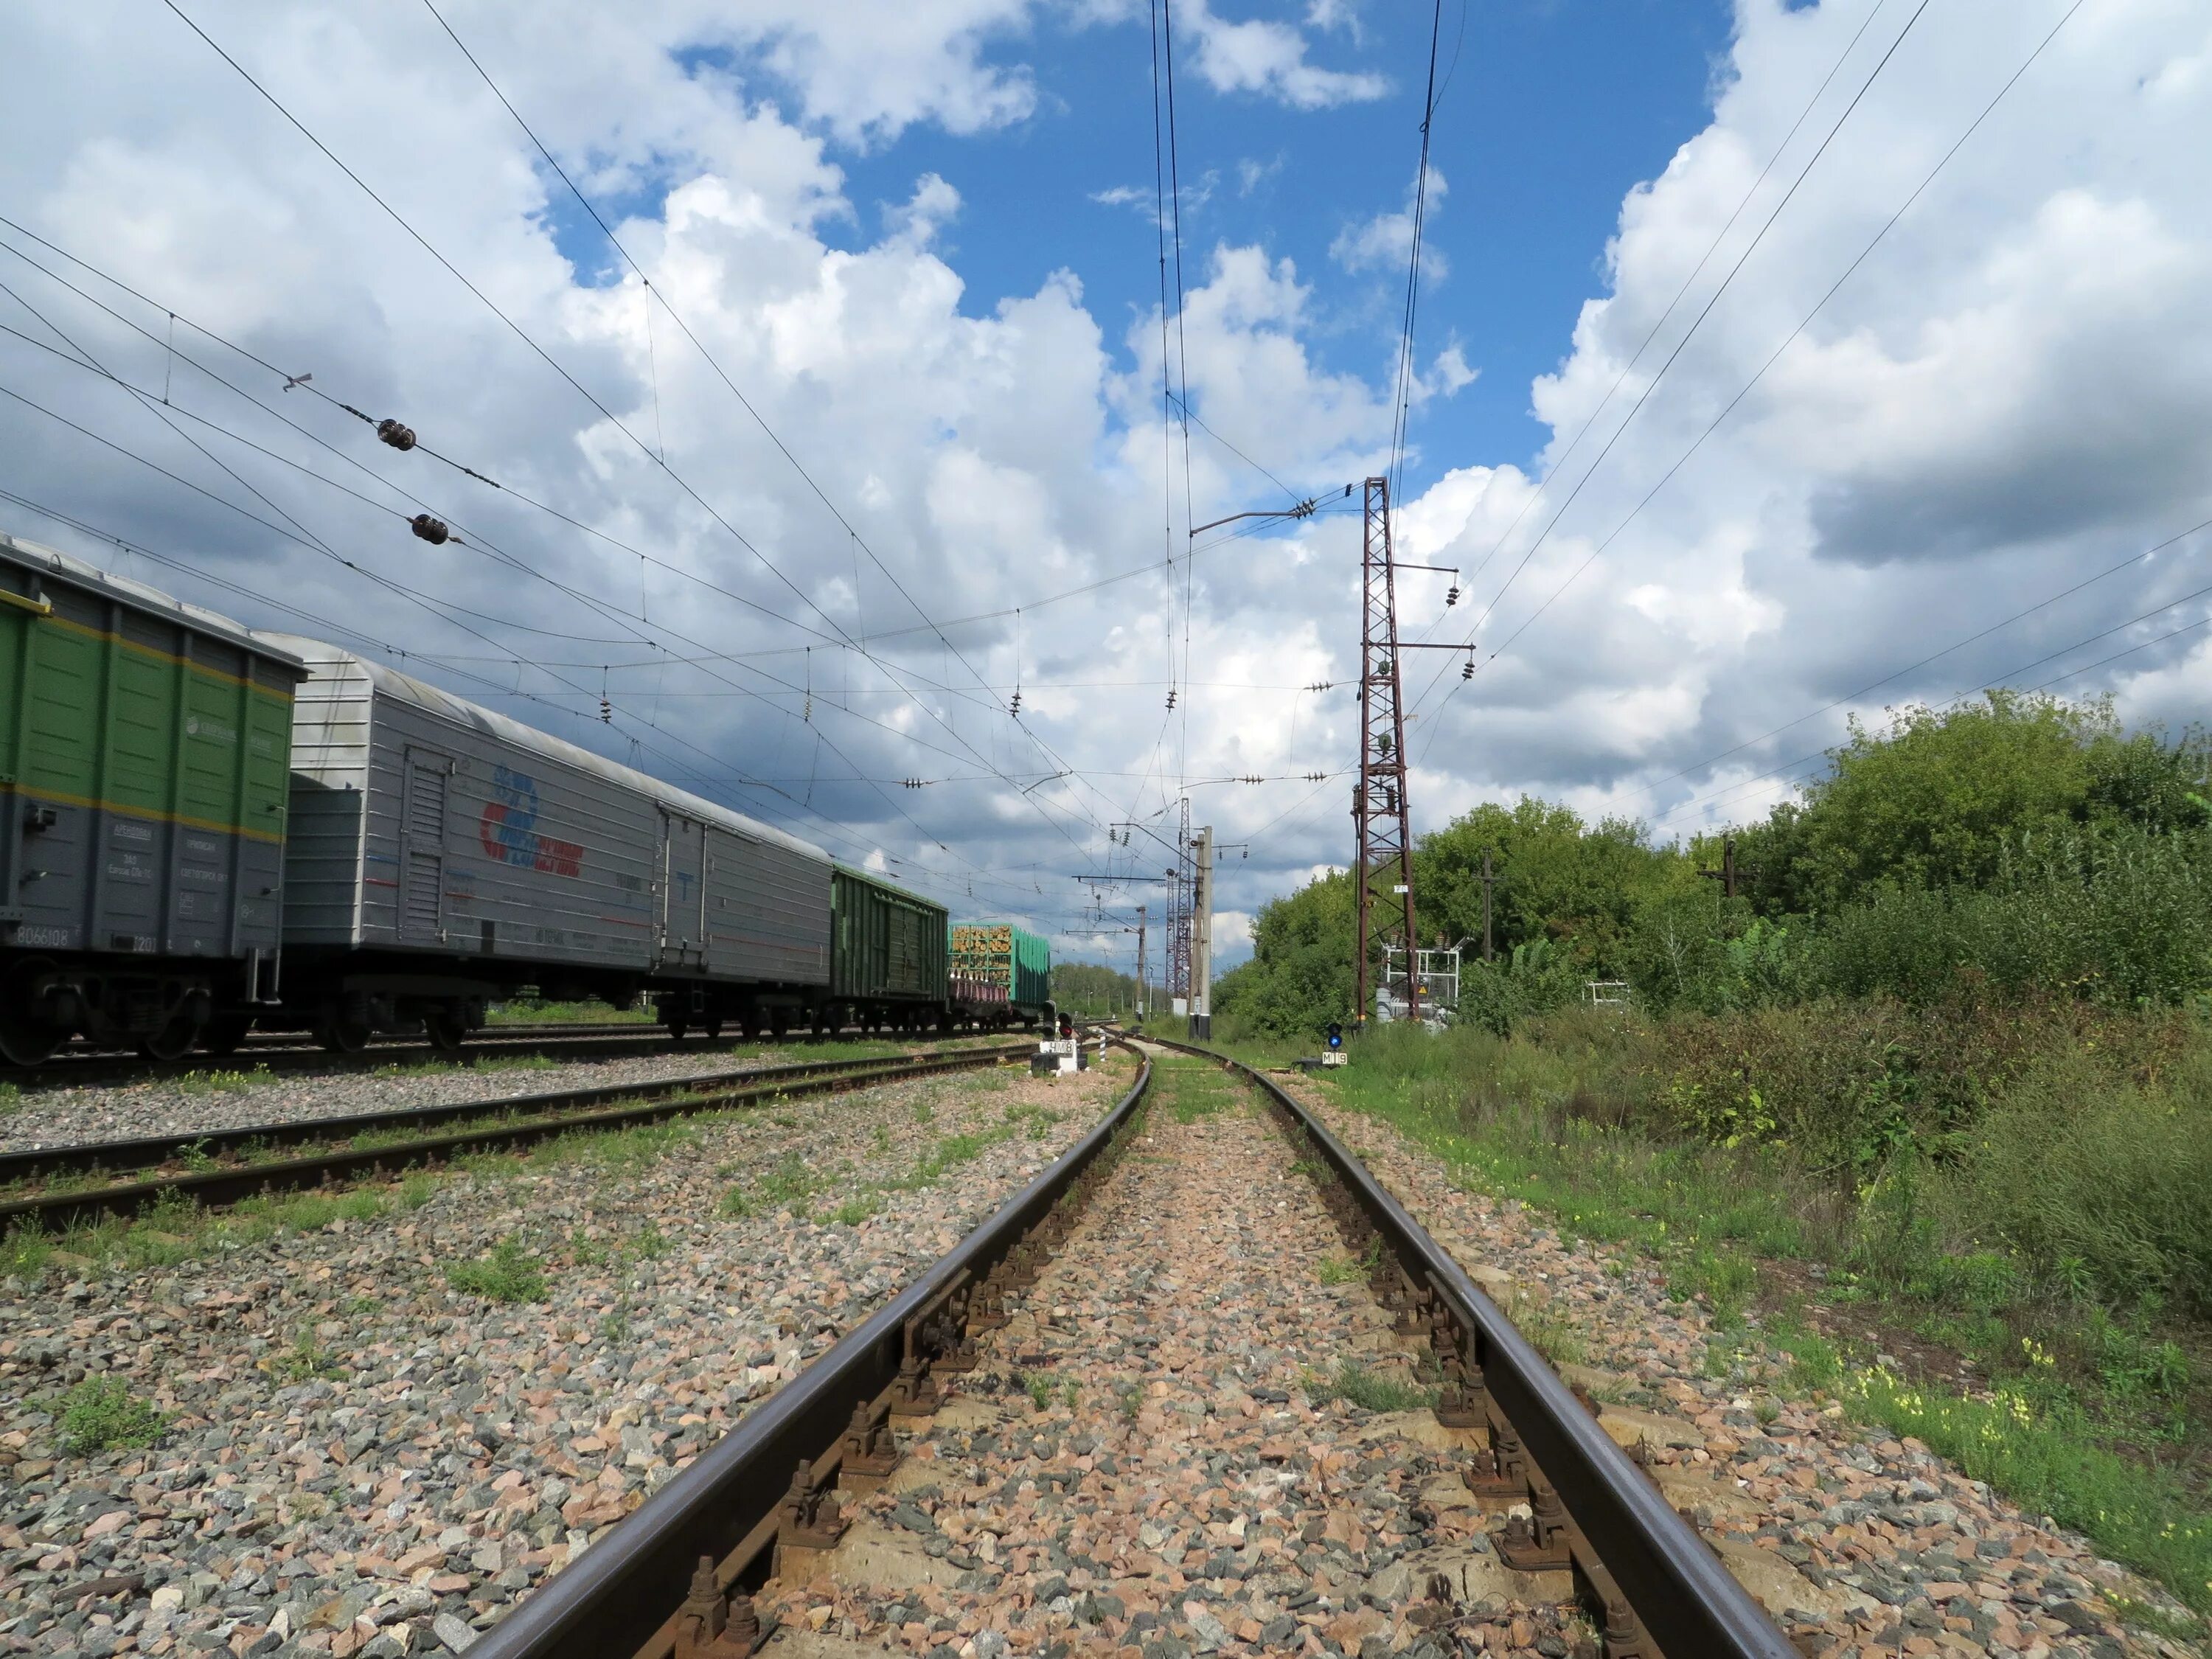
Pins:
x: 1384, y: 874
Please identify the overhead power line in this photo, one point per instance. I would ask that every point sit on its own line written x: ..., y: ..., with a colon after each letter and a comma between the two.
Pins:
x: 584, y: 391
x: 722, y: 373
x: 1734, y: 402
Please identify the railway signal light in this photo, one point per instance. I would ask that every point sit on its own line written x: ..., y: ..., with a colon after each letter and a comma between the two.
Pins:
x: 1336, y: 1034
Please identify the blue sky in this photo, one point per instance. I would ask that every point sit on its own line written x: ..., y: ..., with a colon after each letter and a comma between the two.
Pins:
x: 1554, y: 110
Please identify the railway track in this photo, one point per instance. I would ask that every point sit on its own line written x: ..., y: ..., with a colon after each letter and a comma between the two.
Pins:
x: 289, y: 1053
x: 932, y: 1478
x: 55, y: 1189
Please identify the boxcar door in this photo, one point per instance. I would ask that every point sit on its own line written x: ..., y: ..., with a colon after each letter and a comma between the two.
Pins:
x: 683, y: 891
x: 423, y: 849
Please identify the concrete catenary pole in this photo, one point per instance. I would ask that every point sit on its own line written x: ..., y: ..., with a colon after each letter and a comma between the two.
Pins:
x: 1201, y: 951
x: 1143, y: 998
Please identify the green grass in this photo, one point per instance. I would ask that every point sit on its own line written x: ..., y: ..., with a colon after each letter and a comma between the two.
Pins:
x: 564, y: 1013
x: 1339, y: 1270
x: 787, y: 1184
x: 506, y: 1275
x: 1369, y: 1390
x: 303, y: 1360
x: 2095, y: 1409
x: 101, y: 1414
x: 11, y: 1097
x: 953, y: 1151
x: 515, y: 1063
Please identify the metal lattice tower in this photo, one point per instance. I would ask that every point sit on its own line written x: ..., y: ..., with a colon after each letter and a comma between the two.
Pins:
x: 1179, y: 911
x: 1384, y: 871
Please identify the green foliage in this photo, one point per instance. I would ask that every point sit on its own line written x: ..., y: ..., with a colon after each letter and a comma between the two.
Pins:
x: 1299, y: 977
x: 1558, y: 879
x: 2020, y: 847
x: 101, y: 1413
x: 506, y: 1275
x: 1936, y: 800
x: 1092, y: 989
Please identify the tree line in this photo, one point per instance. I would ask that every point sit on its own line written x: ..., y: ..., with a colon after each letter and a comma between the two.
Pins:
x: 2019, y: 845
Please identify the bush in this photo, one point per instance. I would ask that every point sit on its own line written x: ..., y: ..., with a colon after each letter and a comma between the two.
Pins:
x: 2101, y: 1189
x: 1849, y: 1084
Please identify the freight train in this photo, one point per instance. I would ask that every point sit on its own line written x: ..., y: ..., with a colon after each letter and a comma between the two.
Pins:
x: 209, y: 829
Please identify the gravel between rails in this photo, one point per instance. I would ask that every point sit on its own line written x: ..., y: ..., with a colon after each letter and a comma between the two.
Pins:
x: 234, y: 1096
x: 1859, y: 1543
x: 363, y: 1460
x: 1144, y: 1463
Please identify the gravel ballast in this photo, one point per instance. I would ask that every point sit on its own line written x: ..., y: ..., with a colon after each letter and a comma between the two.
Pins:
x: 1862, y: 1544
x: 1146, y: 1460
x: 363, y: 1458
x: 231, y: 1096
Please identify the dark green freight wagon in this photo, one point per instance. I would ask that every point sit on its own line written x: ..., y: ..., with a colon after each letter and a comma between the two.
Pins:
x: 144, y: 751
x: 887, y: 953
x: 1001, y: 974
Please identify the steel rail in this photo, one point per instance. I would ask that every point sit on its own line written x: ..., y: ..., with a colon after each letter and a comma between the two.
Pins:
x: 151, y: 1152
x: 620, y: 1596
x: 56, y: 1212
x: 99, y: 1070
x: 1686, y: 1598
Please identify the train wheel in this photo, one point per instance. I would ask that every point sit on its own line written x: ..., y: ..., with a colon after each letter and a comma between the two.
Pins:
x: 446, y: 1030
x: 173, y: 1041
x: 713, y: 1028
x: 343, y: 1036
x: 222, y: 1035
x: 25, y: 1041
x: 22, y: 1043
x: 779, y: 1023
x: 676, y: 1028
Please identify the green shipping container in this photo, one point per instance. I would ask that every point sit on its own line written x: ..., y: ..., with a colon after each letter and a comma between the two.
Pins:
x: 145, y: 749
x: 885, y: 943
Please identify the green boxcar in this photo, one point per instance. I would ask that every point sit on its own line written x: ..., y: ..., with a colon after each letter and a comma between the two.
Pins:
x: 1032, y: 970
x: 145, y: 751
x: 1005, y: 955
x: 886, y: 944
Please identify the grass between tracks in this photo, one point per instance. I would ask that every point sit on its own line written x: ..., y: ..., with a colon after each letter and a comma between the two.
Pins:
x: 2087, y: 1406
x: 530, y: 1012
x: 792, y: 1184
x: 174, y: 1228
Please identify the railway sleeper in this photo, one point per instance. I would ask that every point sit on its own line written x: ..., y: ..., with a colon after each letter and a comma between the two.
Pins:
x: 1539, y: 1536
